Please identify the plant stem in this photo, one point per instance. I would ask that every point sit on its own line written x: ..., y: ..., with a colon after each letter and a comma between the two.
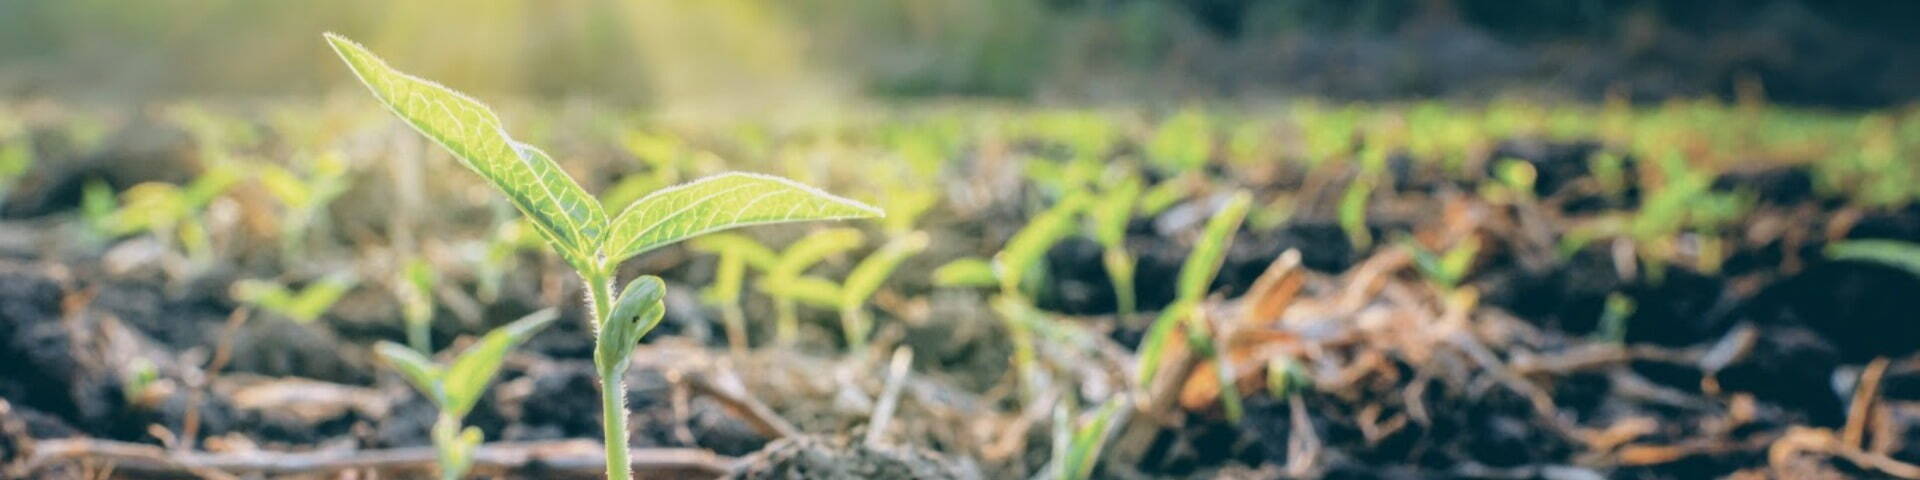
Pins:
x: 613, y: 393
x: 736, y: 325
x: 786, y: 326
x: 613, y: 401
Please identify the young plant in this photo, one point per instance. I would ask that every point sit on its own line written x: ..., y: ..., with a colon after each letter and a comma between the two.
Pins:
x: 1108, y: 220
x: 415, y: 290
x: 301, y: 307
x: 736, y: 252
x: 789, y: 285
x: 866, y: 278
x: 456, y: 387
x: 1448, y: 268
x: 1076, y: 449
x: 304, y: 197
x: 575, y: 224
x: 1196, y: 275
x: 1018, y: 261
x: 16, y: 156
x: 171, y: 213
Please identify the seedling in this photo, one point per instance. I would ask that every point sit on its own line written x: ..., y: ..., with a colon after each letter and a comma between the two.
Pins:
x: 577, y: 226
x: 301, y: 307
x: 866, y: 278
x: 456, y: 387
x: 16, y: 156
x: 1183, y: 143
x: 1196, y: 275
x: 415, y: 291
x: 170, y: 212
x: 736, y: 253
x: 789, y: 285
x: 304, y: 197
x: 1892, y: 253
x: 1019, y: 260
x: 1448, y: 268
x: 1076, y: 448
x: 1108, y: 219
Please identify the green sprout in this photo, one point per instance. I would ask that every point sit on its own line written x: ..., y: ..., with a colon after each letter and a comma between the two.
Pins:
x: 577, y: 226
x: 415, y: 290
x: 1076, y: 449
x: 866, y: 278
x: 789, y: 286
x: 1612, y: 326
x: 304, y: 197
x: 1445, y: 269
x: 16, y: 156
x: 171, y: 213
x: 736, y: 252
x: 302, y: 307
x: 1183, y: 143
x: 1108, y: 220
x: 456, y: 387
x: 1196, y: 275
x: 1010, y: 269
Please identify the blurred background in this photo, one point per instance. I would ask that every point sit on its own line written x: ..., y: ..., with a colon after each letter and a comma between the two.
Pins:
x: 761, y: 52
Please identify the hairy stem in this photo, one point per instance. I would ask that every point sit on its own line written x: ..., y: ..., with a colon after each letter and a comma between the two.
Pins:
x: 613, y: 401
x: 613, y: 393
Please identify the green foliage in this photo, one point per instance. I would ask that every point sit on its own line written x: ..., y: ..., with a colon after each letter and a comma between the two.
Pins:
x: 720, y: 202
x: 1446, y: 269
x: 576, y: 225
x: 1022, y: 254
x: 571, y: 221
x: 1183, y: 142
x: 1892, y: 253
x: 303, y: 306
x: 1353, y: 213
x: 866, y: 278
x: 786, y: 282
x: 304, y: 197
x: 1196, y: 275
x: 1076, y: 449
x: 1612, y: 326
x: 457, y: 387
x: 415, y: 290
x: 966, y: 272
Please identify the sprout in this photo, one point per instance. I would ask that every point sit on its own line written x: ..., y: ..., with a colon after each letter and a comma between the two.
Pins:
x: 577, y: 226
x: 456, y: 387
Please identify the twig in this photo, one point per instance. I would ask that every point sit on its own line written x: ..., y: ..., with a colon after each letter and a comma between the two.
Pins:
x: 1865, y: 393
x: 890, y: 396
x: 724, y: 387
x: 566, y: 458
x: 222, y: 353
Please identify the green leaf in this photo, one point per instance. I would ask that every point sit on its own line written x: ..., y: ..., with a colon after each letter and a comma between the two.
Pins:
x: 1024, y: 251
x: 1201, y: 266
x: 1115, y: 209
x: 872, y: 271
x: 752, y: 252
x: 635, y: 313
x: 811, y: 290
x: 314, y: 300
x: 1353, y: 213
x: 1154, y: 345
x: 1083, y: 452
x: 563, y: 212
x: 966, y: 272
x: 467, y: 379
x: 813, y: 248
x: 717, y: 203
x: 415, y: 367
x: 1891, y: 253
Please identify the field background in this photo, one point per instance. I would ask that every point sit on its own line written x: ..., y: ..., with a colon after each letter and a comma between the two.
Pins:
x: 1482, y: 238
